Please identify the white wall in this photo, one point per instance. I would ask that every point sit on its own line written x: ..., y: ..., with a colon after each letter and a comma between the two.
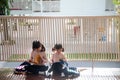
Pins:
x: 75, y: 8
x: 82, y: 6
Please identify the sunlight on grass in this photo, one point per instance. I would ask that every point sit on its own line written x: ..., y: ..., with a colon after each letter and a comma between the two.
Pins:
x: 71, y: 56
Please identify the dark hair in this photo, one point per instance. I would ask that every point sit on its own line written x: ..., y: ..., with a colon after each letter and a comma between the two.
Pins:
x: 53, y: 49
x: 36, y: 44
x: 62, y: 49
x: 58, y: 46
x: 43, y: 48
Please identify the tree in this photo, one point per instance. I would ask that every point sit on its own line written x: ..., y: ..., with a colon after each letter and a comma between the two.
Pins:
x: 116, y: 2
x: 4, y: 7
x: 5, y: 10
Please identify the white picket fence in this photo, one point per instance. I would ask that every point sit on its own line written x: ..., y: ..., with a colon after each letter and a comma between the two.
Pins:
x: 83, y: 38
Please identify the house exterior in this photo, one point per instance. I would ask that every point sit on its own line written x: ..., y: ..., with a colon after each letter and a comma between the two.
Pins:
x: 63, y: 7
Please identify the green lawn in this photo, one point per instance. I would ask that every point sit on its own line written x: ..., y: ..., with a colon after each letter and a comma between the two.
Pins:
x: 71, y: 56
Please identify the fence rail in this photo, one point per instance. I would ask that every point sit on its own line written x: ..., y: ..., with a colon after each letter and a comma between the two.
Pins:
x: 83, y: 38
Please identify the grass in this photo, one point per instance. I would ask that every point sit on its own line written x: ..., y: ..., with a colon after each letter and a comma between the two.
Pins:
x: 71, y: 56
x: 90, y: 56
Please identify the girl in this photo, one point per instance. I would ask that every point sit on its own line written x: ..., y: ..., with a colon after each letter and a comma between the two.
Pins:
x: 38, y: 58
x: 57, y: 57
x: 37, y: 61
x: 58, y: 54
x: 60, y: 65
x: 38, y: 55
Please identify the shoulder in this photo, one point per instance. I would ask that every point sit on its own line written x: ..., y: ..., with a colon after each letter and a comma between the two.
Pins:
x: 32, y: 53
x: 62, y: 53
x: 42, y: 53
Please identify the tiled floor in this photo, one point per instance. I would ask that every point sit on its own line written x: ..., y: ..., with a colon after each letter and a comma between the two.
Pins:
x: 101, y: 71
x: 85, y: 74
x: 100, y: 74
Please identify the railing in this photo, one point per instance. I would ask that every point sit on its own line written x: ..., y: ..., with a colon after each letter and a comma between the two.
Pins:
x: 83, y: 38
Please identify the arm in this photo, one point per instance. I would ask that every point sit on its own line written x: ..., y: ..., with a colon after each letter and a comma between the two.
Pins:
x: 51, y: 59
x: 63, y: 57
x: 44, y: 57
x: 31, y: 57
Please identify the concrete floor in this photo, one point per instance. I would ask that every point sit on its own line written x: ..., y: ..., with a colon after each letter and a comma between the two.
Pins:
x: 90, y: 64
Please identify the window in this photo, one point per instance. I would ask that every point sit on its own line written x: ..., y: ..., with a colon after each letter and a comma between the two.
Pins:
x: 51, y: 5
x: 46, y: 5
x: 21, y: 5
x: 36, y: 5
x: 109, y: 5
